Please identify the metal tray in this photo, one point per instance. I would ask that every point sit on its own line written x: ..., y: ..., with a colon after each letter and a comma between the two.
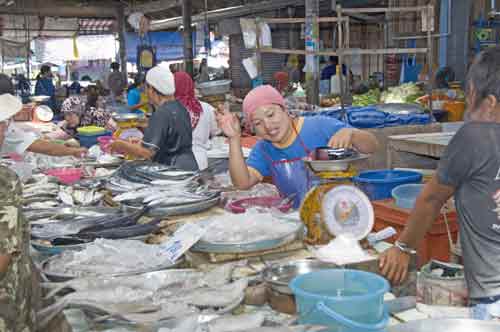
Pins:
x: 333, y: 165
x: 54, y: 277
x: 279, y: 275
x: 241, y: 248
x: 214, y: 87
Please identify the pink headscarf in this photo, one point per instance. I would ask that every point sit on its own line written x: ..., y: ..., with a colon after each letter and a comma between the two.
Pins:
x: 184, y: 93
x: 263, y: 95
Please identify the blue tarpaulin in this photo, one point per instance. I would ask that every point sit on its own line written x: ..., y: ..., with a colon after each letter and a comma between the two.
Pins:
x: 169, y: 45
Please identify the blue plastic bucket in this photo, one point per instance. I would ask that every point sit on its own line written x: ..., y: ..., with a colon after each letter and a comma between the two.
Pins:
x: 88, y: 141
x: 342, y: 300
x: 406, y: 195
x: 378, y: 184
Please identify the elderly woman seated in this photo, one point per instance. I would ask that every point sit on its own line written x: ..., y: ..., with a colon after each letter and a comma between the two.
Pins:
x: 79, y: 114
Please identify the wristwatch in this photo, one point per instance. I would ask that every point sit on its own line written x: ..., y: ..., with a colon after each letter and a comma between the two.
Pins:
x: 404, y: 248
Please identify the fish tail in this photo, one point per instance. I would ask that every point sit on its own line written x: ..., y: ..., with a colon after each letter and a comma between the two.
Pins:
x: 50, y: 312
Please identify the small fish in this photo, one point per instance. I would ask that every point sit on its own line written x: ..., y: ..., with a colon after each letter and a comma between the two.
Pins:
x: 230, y: 323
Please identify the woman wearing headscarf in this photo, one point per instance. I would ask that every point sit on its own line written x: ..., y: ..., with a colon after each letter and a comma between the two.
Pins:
x: 202, y: 117
x: 79, y: 114
x: 284, y: 142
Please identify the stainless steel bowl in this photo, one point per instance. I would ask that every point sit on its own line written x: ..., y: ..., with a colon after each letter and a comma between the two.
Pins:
x: 39, y: 99
x: 333, y: 165
x: 121, y: 117
x: 448, y: 325
x: 278, y: 276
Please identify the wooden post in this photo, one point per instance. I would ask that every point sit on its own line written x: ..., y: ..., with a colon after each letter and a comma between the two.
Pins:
x: 258, y: 51
x: 187, y: 9
x: 120, y: 17
x: 430, y: 18
x: 312, y: 45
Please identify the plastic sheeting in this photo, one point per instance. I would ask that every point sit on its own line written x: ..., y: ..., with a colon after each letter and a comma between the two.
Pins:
x: 89, y: 48
x: 373, y: 117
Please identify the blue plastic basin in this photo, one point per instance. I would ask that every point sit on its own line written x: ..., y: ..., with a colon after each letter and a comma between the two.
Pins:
x: 342, y: 300
x: 379, y: 184
x: 88, y: 141
x: 406, y: 195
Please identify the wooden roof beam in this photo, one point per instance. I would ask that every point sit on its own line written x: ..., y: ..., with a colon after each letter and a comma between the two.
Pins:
x: 154, y: 6
x: 59, y: 9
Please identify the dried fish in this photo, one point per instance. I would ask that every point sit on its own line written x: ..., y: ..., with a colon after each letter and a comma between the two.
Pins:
x: 230, y: 323
x: 212, y: 297
x: 152, y: 281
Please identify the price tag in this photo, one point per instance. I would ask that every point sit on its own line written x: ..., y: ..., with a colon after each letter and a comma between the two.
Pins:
x: 182, y: 240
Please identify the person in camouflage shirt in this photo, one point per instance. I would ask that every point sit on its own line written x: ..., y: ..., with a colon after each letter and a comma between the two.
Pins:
x: 16, y: 307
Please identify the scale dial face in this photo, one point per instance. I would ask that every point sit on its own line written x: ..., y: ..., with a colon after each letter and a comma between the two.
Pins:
x: 347, y: 210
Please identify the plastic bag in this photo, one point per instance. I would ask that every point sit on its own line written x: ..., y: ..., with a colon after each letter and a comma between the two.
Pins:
x: 265, y: 35
x: 249, y: 28
x: 250, y: 65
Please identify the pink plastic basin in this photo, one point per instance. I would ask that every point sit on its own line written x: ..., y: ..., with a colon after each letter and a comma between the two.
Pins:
x: 66, y: 175
x: 104, y: 142
x: 240, y: 206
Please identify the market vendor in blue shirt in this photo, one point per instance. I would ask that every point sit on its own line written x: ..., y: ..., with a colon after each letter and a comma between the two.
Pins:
x: 285, y: 141
x: 134, y: 96
x: 331, y: 69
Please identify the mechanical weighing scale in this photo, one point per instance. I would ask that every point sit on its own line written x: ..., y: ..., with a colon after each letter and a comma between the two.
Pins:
x: 128, y: 123
x: 334, y: 205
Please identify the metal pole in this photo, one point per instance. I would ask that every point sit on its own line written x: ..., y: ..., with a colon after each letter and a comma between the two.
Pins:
x: 312, y: 45
x: 187, y: 9
x: 121, y: 39
x: 207, y: 30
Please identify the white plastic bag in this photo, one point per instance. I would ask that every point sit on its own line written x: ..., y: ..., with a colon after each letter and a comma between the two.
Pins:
x: 249, y: 28
x: 265, y: 35
x: 250, y: 65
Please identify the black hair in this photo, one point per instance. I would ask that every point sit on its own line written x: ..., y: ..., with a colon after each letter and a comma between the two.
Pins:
x: 45, y: 69
x: 138, y: 80
x: 334, y: 59
x: 115, y: 66
x: 483, y: 78
x: 6, y: 85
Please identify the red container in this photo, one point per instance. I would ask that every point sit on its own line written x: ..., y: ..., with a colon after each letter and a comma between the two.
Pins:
x: 26, y: 113
x: 435, y: 245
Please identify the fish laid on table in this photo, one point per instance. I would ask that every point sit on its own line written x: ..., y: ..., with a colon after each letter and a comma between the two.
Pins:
x: 92, y: 224
x: 230, y: 323
x: 218, y: 297
x: 41, y: 205
x: 138, y: 297
x: 122, y: 232
x: 66, y: 213
x: 152, y: 281
x: 171, y: 293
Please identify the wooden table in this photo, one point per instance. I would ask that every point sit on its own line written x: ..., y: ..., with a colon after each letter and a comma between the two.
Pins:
x: 429, y: 145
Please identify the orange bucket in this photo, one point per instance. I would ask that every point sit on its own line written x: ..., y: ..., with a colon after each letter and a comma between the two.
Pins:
x: 455, y: 110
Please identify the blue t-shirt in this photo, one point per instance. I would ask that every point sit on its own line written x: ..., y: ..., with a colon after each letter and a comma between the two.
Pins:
x: 133, y: 97
x: 314, y: 131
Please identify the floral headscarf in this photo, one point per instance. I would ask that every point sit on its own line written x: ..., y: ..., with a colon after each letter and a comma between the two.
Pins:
x: 88, y: 117
x: 74, y: 105
x: 184, y: 93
